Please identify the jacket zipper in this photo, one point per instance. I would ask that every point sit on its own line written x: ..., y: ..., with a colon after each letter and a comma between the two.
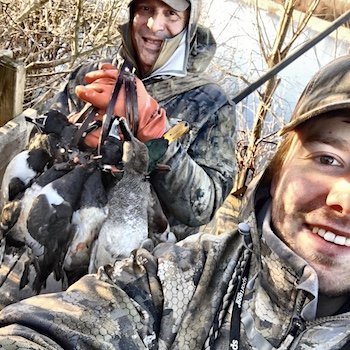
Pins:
x: 297, y: 325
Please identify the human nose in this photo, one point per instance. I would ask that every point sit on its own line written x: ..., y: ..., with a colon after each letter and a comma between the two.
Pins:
x: 339, y: 196
x: 156, y: 23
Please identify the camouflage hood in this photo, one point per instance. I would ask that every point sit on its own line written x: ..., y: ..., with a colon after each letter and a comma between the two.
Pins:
x: 189, y: 51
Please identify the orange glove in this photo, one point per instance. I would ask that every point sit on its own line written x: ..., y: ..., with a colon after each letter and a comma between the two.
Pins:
x: 152, y: 118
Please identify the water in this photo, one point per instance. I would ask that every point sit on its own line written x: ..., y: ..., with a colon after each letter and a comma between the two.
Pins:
x: 234, y: 26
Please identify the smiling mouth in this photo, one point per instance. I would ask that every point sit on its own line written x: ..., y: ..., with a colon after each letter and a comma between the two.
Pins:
x: 154, y: 43
x: 331, y: 237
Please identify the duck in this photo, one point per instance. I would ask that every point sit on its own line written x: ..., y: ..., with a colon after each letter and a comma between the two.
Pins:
x: 158, y: 225
x: 20, y: 172
x: 15, y: 238
x: 87, y: 221
x: 57, y: 125
x: 40, y: 153
x: 14, y: 214
x: 158, y: 147
x: 54, y: 122
x: 126, y: 226
x: 135, y: 219
x: 49, y: 222
x: 111, y: 151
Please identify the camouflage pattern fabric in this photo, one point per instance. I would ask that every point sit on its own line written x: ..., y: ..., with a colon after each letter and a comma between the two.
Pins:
x: 181, y: 297
x: 226, y: 217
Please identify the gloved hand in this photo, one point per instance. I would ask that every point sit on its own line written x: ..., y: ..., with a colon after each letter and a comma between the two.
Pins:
x: 152, y: 118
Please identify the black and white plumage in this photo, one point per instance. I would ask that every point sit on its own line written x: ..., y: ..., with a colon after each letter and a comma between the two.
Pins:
x: 41, y: 152
x: 56, y: 123
x: 49, y: 222
x: 18, y: 231
x: 58, y: 127
x: 87, y: 221
x: 126, y: 227
x: 21, y: 170
x: 14, y: 217
x: 59, y: 224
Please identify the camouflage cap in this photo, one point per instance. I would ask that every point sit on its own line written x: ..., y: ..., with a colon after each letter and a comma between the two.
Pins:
x: 327, y: 91
x: 177, y: 5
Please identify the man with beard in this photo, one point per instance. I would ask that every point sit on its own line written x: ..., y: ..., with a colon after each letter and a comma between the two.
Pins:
x: 280, y: 281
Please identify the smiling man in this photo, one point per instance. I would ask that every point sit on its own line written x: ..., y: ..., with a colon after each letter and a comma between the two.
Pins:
x: 157, y: 27
x: 280, y: 281
x: 311, y: 205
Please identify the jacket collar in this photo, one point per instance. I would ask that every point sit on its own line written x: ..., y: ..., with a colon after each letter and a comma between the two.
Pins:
x: 178, y: 55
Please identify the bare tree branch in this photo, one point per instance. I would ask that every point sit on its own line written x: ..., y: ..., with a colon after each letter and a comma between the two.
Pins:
x: 52, y: 37
x: 29, y: 9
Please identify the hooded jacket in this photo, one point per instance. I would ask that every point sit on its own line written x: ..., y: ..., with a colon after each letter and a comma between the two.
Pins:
x: 202, y: 163
x: 191, y: 295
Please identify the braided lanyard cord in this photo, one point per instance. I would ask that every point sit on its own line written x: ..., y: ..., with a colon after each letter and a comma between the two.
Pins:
x: 235, y: 291
x: 109, y: 116
x: 237, y: 306
x: 131, y: 101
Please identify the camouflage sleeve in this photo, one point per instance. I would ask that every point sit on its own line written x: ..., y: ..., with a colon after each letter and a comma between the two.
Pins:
x: 94, y: 313
x: 202, y: 163
x: 168, y: 299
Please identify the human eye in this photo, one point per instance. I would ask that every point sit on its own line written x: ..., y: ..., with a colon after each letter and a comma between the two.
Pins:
x: 328, y: 160
x: 144, y: 9
x: 172, y: 15
x: 326, y: 155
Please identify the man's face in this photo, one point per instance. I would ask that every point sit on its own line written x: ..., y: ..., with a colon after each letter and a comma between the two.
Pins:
x: 153, y: 22
x: 311, y: 200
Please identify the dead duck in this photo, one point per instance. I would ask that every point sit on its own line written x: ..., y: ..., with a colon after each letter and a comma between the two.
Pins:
x: 134, y: 209
x: 41, y: 152
x: 49, y: 222
x: 126, y: 226
x: 21, y: 170
x: 87, y: 221
x: 158, y: 147
x: 56, y: 123
x: 13, y: 220
x: 112, y: 148
x: 57, y: 126
x: 16, y: 238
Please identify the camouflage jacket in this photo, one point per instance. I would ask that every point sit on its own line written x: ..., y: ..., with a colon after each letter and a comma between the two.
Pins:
x: 185, y: 296
x: 202, y: 163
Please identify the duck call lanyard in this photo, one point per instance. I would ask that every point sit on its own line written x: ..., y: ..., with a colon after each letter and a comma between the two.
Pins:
x: 128, y: 79
x: 237, y: 307
x: 88, y: 113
